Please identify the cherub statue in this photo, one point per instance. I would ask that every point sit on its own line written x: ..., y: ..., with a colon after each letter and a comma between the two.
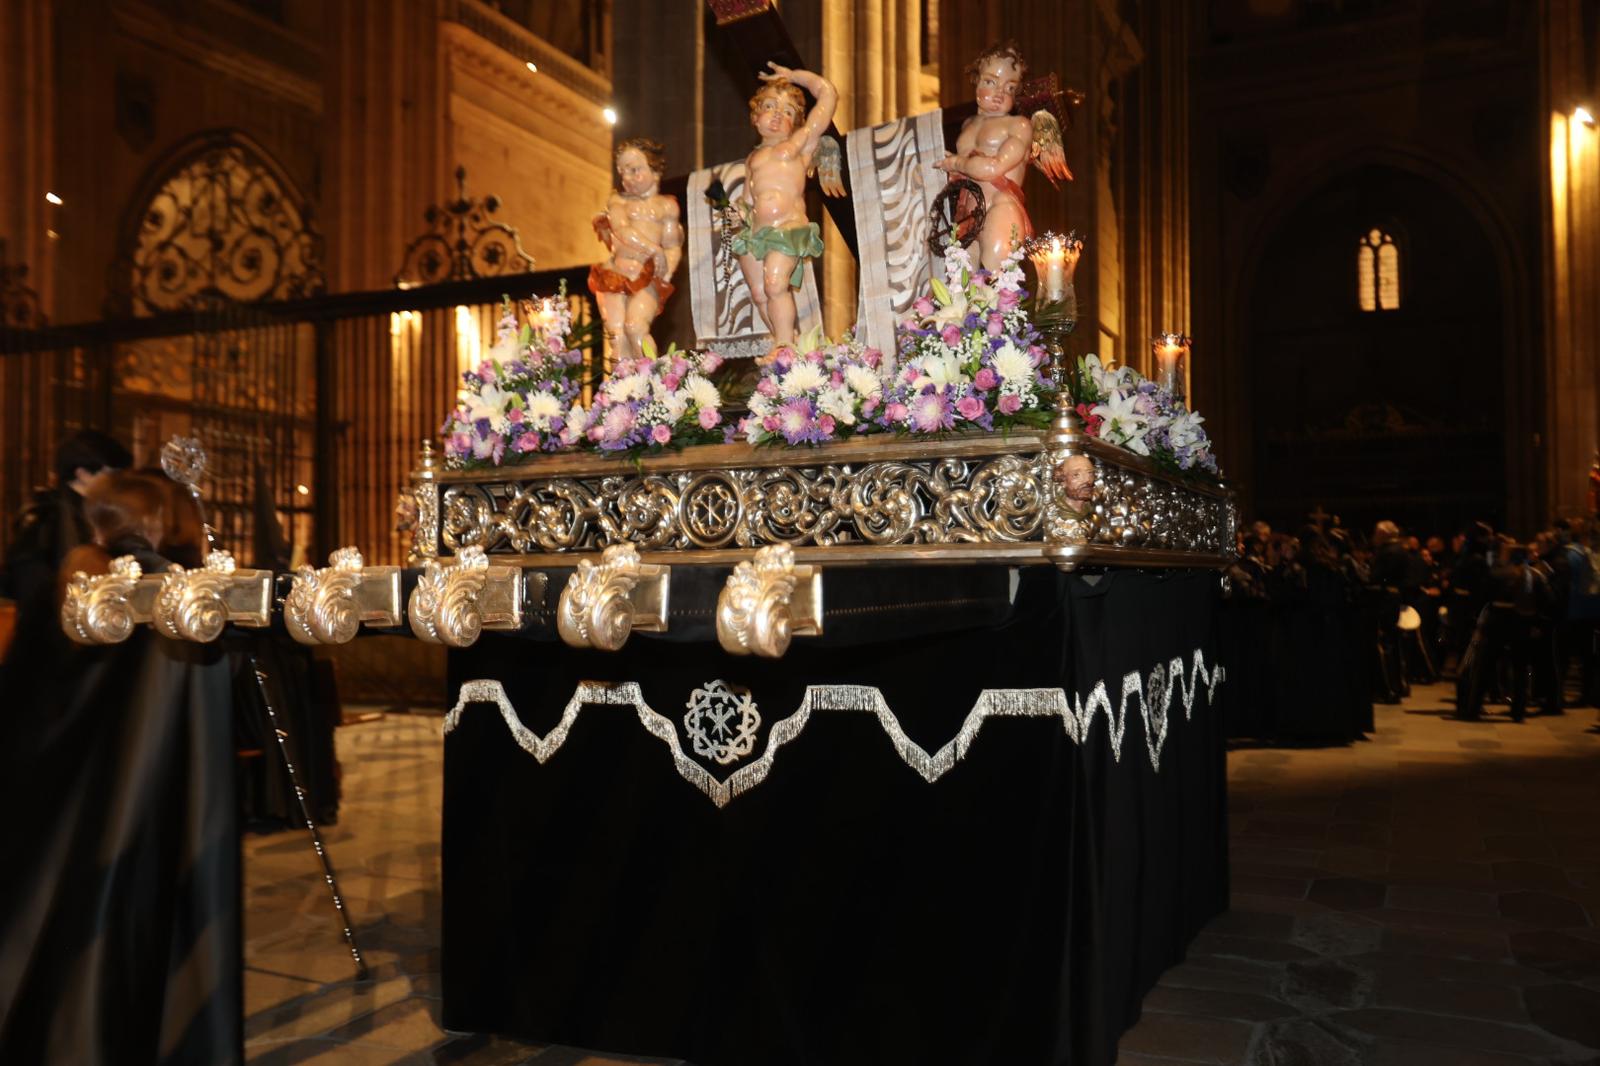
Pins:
x: 776, y: 234
x: 643, y: 230
x: 995, y: 147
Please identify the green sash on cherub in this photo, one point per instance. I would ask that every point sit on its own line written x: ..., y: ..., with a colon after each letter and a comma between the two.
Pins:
x: 801, y: 242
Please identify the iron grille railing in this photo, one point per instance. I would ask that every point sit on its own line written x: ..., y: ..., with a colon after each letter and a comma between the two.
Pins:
x: 312, y: 410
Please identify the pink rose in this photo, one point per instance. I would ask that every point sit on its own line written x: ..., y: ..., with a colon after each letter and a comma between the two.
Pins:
x: 1037, y: 354
x: 767, y: 387
x: 986, y: 379
x: 996, y: 323
x: 872, y: 357
x: 710, y: 362
x: 923, y: 306
x: 951, y: 337
x: 670, y: 382
x: 784, y: 358
x: 870, y: 405
x: 709, y: 417
x: 515, y: 417
x: 528, y: 442
x: 970, y: 408
x: 826, y: 423
x: 661, y: 434
x: 1009, y: 298
x: 770, y: 423
x: 486, y: 370
x: 1009, y: 404
x: 896, y: 412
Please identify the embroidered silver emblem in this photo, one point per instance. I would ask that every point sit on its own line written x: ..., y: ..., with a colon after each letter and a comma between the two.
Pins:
x: 721, y: 724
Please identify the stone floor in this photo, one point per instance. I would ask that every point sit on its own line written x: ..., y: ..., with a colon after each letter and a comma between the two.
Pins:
x: 1429, y: 896
x: 1426, y: 897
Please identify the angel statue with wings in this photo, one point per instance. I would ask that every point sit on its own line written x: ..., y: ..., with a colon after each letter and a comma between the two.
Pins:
x: 995, y: 148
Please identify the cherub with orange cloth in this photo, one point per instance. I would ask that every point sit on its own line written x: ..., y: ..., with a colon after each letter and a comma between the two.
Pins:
x: 643, y: 230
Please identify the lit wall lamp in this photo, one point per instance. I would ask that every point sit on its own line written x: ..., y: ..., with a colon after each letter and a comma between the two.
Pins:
x: 1584, y: 115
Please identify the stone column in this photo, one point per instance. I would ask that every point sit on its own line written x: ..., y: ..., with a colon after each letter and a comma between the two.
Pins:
x: 873, y: 53
x: 27, y: 140
x: 1572, y: 259
x: 384, y: 135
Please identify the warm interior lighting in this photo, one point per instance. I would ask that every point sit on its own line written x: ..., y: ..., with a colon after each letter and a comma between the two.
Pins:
x: 469, y: 345
x: 610, y: 115
x: 52, y: 234
x: 51, y: 197
x: 1584, y: 115
x: 302, y: 490
x: 533, y: 68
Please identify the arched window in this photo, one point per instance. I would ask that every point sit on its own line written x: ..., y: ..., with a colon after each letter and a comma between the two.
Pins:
x: 1378, y: 271
x: 221, y: 219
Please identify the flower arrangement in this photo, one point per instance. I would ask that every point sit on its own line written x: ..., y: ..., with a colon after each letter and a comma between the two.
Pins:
x: 517, y: 400
x: 654, y: 402
x: 816, y: 391
x: 1122, y: 407
x: 970, y: 356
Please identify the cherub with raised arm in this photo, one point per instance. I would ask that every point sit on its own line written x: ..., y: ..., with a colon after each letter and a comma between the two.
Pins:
x: 776, y: 235
x: 642, y: 229
x: 995, y: 147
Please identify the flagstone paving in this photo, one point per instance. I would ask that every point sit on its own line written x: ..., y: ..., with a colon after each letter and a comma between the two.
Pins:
x: 1428, y: 896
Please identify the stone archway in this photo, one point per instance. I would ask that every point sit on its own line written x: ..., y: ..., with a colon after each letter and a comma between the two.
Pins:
x: 1385, y: 413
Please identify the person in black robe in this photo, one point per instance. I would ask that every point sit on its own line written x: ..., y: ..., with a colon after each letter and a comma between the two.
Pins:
x: 119, y: 909
x: 51, y: 526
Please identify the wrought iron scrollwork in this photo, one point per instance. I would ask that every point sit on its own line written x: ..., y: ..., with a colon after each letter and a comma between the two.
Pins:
x: 463, y: 241
x: 225, y: 223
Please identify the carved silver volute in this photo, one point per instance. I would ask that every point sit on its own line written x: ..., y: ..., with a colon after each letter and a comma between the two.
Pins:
x: 321, y: 605
x: 191, y: 603
x: 767, y: 601
x: 604, y: 603
x: 97, y: 610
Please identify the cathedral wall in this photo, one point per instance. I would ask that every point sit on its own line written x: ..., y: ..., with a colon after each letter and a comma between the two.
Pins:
x: 1446, y: 100
x: 539, y: 145
x: 134, y: 82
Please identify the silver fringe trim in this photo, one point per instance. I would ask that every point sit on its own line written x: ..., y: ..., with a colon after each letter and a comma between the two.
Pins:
x: 1154, y: 693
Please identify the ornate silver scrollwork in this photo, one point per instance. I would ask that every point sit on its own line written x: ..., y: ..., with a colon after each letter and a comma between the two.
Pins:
x: 600, y: 606
x: 767, y: 601
x: 98, y: 609
x: 1065, y: 494
x: 321, y: 606
x: 191, y: 604
x: 455, y: 601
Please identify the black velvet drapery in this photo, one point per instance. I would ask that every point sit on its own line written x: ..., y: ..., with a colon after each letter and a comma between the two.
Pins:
x: 119, y: 903
x: 845, y: 910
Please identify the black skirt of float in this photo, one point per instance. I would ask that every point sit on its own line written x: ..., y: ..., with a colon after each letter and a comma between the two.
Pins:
x: 845, y: 910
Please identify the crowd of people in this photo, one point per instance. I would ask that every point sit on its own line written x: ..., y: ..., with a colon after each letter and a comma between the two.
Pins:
x: 1351, y: 620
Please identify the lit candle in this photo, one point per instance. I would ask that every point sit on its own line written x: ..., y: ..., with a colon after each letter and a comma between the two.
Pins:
x: 1172, y: 356
x: 1053, y: 258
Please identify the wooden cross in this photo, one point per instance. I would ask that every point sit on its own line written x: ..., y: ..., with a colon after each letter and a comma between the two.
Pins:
x: 757, y: 31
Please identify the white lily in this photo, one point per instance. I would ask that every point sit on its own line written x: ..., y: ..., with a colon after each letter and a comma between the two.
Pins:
x: 1122, y: 424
